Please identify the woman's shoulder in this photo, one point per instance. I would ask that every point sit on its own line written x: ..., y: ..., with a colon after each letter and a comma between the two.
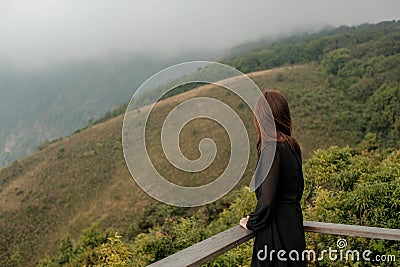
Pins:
x: 286, y: 152
x: 276, y: 147
x: 284, y: 148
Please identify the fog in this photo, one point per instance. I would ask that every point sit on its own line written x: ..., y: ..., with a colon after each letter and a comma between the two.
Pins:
x: 47, y: 32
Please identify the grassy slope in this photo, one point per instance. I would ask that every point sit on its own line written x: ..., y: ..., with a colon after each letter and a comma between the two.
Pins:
x: 83, y: 179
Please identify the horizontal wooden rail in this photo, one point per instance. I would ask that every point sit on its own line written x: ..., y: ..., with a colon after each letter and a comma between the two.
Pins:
x: 352, y: 230
x: 216, y: 245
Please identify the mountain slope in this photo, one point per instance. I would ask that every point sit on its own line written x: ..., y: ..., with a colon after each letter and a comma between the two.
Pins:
x: 83, y: 179
x: 38, y: 105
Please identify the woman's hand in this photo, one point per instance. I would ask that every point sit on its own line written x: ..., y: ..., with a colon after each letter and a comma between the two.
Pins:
x: 243, y: 222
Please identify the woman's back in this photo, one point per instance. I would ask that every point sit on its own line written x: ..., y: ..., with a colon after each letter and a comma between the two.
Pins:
x: 291, y: 182
x: 277, y: 219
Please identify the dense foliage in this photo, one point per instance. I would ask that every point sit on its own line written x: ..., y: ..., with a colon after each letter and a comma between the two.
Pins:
x: 362, y: 63
x: 364, y: 41
x: 342, y: 186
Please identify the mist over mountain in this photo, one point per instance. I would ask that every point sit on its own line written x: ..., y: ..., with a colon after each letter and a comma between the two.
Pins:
x: 48, y: 33
x: 45, y: 104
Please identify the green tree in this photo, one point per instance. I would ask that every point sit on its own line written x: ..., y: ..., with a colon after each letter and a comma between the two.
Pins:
x: 384, y: 115
x: 66, y: 250
x: 335, y: 60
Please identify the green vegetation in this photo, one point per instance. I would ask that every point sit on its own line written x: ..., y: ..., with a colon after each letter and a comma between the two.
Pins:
x: 362, y: 65
x: 344, y: 92
x: 342, y: 186
x: 345, y: 187
x: 365, y: 41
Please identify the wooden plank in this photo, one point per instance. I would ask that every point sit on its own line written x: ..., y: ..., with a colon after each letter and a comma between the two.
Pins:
x: 207, y: 249
x: 214, y: 246
x: 352, y: 230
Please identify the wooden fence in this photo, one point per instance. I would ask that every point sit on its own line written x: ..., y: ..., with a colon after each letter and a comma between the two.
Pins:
x: 214, y: 246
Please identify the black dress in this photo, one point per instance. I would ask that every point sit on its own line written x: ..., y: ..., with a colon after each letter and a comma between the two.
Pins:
x: 277, y: 220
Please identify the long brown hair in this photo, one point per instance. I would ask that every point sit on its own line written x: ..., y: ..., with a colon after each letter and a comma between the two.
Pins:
x: 282, y: 120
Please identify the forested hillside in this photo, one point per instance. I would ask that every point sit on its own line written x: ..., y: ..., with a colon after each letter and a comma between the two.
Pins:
x: 362, y: 64
x: 343, y: 90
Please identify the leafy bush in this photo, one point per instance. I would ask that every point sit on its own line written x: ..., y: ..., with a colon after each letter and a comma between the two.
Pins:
x: 342, y: 186
x: 349, y: 188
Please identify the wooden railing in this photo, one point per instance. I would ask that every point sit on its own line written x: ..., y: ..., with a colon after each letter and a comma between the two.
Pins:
x: 214, y: 246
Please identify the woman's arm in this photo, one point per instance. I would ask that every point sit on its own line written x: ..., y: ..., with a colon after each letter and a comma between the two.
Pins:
x: 265, y: 204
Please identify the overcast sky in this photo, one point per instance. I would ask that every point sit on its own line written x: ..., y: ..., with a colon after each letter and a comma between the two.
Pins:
x: 53, y: 31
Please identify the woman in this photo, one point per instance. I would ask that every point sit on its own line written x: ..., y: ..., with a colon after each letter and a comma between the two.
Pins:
x: 277, y: 220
